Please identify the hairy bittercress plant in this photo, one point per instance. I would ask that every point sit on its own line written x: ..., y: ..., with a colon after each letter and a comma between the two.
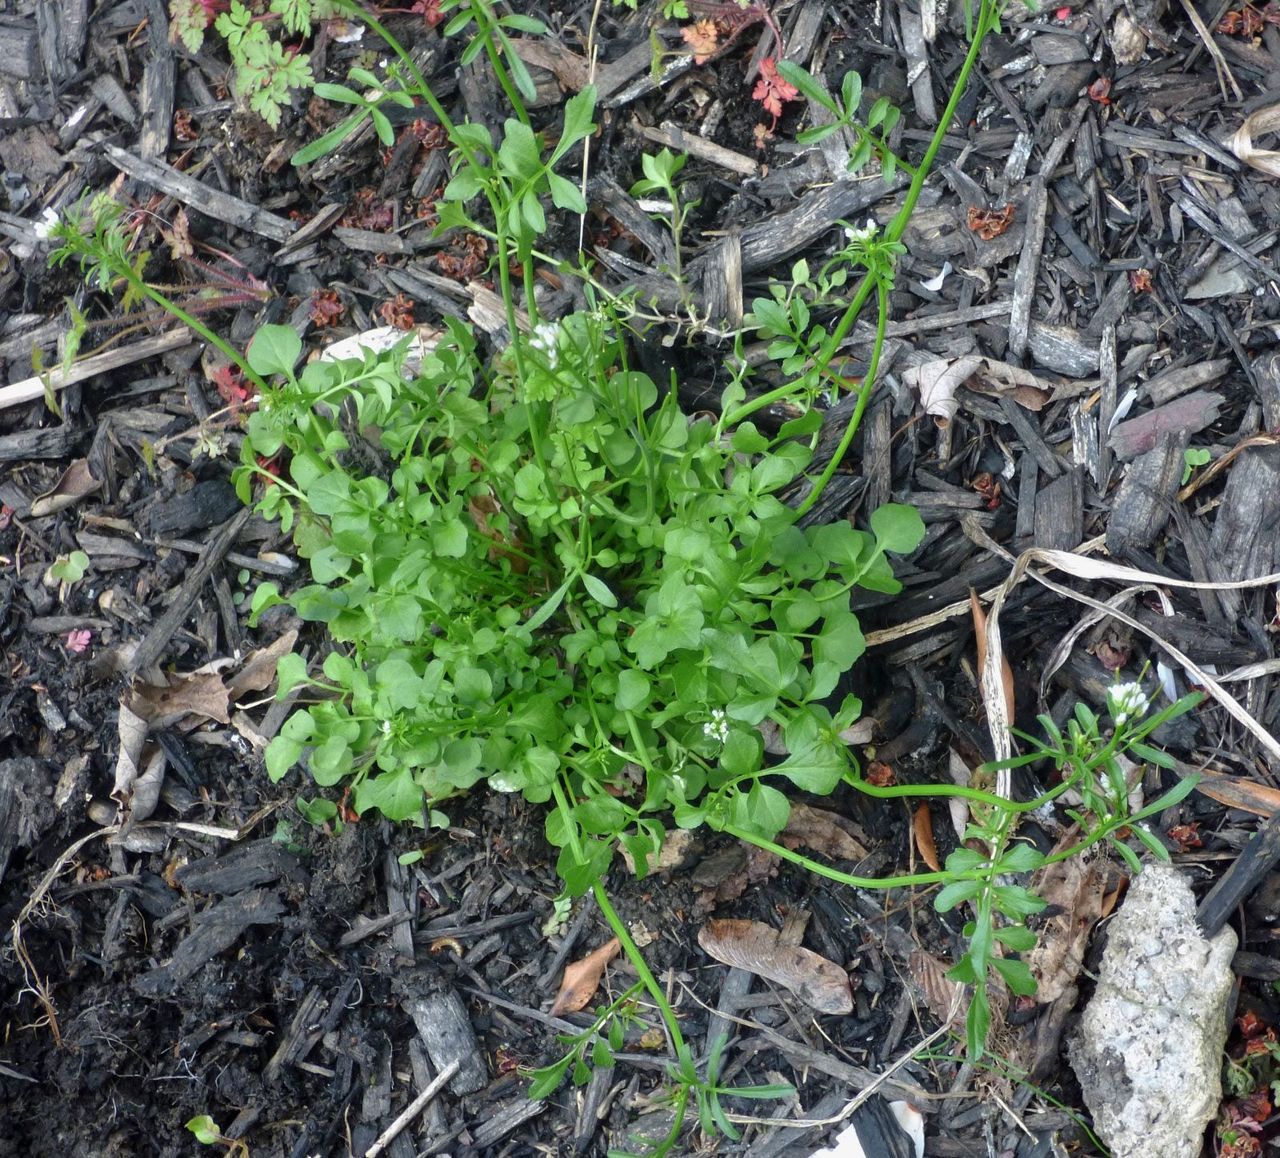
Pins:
x: 1088, y: 757
x: 871, y: 132
x: 558, y: 584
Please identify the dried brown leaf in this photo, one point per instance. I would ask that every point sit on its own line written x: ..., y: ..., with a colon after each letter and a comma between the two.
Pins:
x: 179, y: 236
x: 726, y: 875
x: 989, y: 224
x: 259, y: 670
x: 821, y: 831
x: 936, y: 383
x: 137, y: 783
x: 582, y: 979
x: 944, y: 997
x: 922, y: 832
x: 1236, y: 792
x: 73, y: 484
x: 1002, y: 380
x: 757, y: 948
x: 703, y: 38
x: 676, y: 849
x: 200, y: 694
x: 1074, y: 889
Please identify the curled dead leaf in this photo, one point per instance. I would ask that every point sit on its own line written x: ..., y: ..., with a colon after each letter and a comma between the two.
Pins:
x: 1003, y: 380
x: 582, y: 979
x: 73, y: 484
x: 201, y: 694
x: 922, y: 833
x: 137, y: 783
x: 821, y: 831
x: 937, y: 381
x: 989, y: 224
x: 259, y: 670
x: 759, y: 949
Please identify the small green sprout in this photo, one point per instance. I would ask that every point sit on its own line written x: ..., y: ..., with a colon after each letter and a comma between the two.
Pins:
x: 207, y: 1133
x: 67, y: 569
x: 1193, y: 457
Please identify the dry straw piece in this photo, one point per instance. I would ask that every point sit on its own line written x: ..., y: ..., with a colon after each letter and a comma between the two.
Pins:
x: 1256, y: 125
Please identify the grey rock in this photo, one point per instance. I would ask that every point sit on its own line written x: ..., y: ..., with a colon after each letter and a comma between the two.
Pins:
x: 1149, y: 1049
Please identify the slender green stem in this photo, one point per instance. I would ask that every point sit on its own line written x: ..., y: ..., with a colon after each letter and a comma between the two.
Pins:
x: 654, y: 990
x: 875, y: 279
x: 360, y: 13
x: 864, y: 394
x: 192, y: 322
x: 986, y: 22
x: 822, y: 870
x: 490, y: 32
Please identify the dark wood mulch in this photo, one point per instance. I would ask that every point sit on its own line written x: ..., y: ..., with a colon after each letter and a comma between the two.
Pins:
x: 301, y: 985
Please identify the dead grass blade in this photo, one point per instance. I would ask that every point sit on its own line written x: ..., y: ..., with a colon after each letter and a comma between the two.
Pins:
x: 1006, y: 672
x: 1259, y: 124
x: 1080, y: 565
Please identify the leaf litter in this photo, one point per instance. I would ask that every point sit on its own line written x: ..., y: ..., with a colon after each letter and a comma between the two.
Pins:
x: 760, y: 949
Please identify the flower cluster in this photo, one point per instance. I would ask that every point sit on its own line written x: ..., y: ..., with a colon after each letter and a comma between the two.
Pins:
x: 866, y: 233
x: 1126, y: 701
x: 44, y: 228
x: 717, y: 728
x: 546, y: 340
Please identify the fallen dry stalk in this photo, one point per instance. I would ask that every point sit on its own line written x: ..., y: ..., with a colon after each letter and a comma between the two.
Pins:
x: 1079, y: 564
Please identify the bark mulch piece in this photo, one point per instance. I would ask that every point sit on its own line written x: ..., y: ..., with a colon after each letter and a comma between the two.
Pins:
x: 1089, y: 294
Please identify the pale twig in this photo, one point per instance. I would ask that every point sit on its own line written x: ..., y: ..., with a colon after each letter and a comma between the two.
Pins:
x: 1219, y: 61
x: 413, y: 1109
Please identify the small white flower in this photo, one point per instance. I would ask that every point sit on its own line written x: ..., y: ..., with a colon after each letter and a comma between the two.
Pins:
x: 866, y: 233
x: 386, y: 727
x: 46, y: 225
x: 1125, y: 701
x: 545, y: 338
x: 717, y: 728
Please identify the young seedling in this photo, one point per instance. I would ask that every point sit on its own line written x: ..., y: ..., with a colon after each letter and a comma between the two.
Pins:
x: 207, y: 1133
x: 66, y: 570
